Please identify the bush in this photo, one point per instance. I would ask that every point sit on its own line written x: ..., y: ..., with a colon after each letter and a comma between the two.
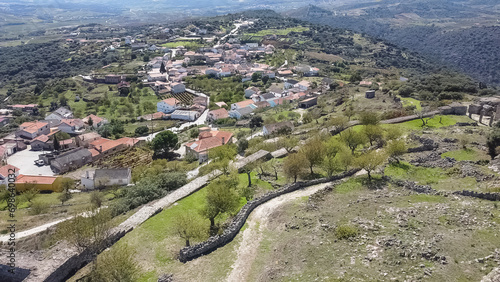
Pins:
x: 346, y: 232
x: 141, y: 130
x: 96, y: 199
x: 39, y: 208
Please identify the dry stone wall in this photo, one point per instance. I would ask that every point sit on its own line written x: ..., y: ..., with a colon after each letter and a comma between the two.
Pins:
x: 229, y: 233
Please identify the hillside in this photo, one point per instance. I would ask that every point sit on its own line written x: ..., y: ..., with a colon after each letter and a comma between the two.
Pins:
x: 461, y: 34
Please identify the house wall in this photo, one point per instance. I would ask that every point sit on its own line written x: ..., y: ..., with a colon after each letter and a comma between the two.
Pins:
x: 54, y: 187
x: 87, y: 183
x: 165, y: 108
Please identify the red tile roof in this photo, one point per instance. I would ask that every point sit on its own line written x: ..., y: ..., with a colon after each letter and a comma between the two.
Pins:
x: 36, y: 179
x: 95, y: 119
x: 128, y: 141
x: 245, y: 103
x: 32, y: 127
x: 219, y: 113
x: 209, y: 140
x: 171, y: 101
x: 43, y: 138
x: 4, y: 170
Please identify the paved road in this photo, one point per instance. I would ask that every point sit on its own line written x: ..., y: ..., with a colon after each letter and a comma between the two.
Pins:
x: 25, y: 161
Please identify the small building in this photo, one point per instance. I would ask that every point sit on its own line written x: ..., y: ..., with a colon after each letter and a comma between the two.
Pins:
x: 96, y: 121
x: 307, y: 103
x: 251, y: 91
x: 168, y: 105
x: 185, y: 115
x: 31, y: 130
x: 242, y: 112
x: 41, y: 183
x: 178, y: 87
x: 42, y: 142
x: 242, y: 104
x: 84, y: 140
x: 106, y: 177
x: 71, y: 126
x: 278, y: 128
x: 71, y: 160
x: 208, y: 140
x: 217, y: 114
x: 5, y: 171
x: 289, y: 83
x: 113, y: 78
x: 60, y: 114
x: 370, y: 94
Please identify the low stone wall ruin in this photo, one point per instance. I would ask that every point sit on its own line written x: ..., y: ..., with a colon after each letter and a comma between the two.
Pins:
x: 215, y: 242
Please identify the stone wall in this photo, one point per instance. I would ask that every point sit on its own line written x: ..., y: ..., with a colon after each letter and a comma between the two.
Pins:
x: 215, y: 242
x: 479, y: 195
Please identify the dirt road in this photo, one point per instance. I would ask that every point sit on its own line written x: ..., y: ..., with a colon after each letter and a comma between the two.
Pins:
x: 252, y: 235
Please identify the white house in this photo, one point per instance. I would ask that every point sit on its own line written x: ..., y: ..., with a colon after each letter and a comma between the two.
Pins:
x: 242, y: 104
x: 289, y: 83
x: 185, y: 115
x: 178, y: 87
x: 71, y: 126
x: 304, y: 85
x: 168, y: 105
x: 250, y: 91
x: 106, y: 177
x: 240, y: 113
x: 60, y: 114
x: 5, y: 171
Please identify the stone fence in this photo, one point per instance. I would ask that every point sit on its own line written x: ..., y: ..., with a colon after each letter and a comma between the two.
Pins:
x: 215, y: 242
x: 479, y: 195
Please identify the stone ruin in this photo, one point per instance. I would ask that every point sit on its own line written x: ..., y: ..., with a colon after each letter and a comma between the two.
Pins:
x: 489, y: 107
x: 454, y: 109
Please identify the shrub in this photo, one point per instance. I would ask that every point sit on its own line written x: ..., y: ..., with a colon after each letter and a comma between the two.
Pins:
x: 346, y: 232
x: 39, y: 208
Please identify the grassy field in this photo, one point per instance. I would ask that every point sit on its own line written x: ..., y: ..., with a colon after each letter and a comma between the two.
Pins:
x: 467, y: 155
x: 411, y: 102
x: 189, y: 44
x: 157, y: 125
x: 284, y: 31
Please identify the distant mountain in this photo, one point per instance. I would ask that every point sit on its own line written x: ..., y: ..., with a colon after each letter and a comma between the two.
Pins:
x: 463, y: 34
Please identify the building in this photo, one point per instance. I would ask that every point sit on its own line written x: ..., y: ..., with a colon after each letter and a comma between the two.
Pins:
x: 307, y: 103
x: 178, y: 87
x: 5, y: 171
x: 242, y: 112
x: 278, y: 128
x: 71, y: 126
x: 96, y: 121
x: 370, y: 94
x: 208, y: 140
x: 4, y: 121
x: 84, y: 140
x: 304, y: 85
x: 168, y: 105
x: 217, y: 114
x: 251, y: 91
x: 71, y: 160
x: 42, y: 142
x: 31, y: 130
x: 155, y: 116
x: 41, y: 183
x: 105, y: 147
x: 185, y: 115
x: 289, y: 83
x: 30, y: 108
x: 242, y: 104
x: 106, y: 177
x: 113, y: 79
x: 60, y: 114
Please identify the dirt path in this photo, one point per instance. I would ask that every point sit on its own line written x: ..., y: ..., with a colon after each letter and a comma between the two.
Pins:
x: 252, y: 235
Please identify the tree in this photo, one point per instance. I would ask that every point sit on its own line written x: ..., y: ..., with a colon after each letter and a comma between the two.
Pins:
x: 96, y: 199
x: 164, y: 142
x: 57, y: 146
x: 393, y: 133
x: 248, y: 169
x: 256, y: 77
x: 273, y: 164
x: 31, y: 192
x: 242, y: 145
x: 87, y: 232
x: 294, y: 165
x: 265, y: 79
x: 221, y: 198
x: 116, y: 265
x: 162, y: 68
x: 353, y: 139
x: 141, y: 130
x: 396, y: 149
x: 189, y: 227
x: 288, y: 142
x: 222, y: 155
x: 349, y: 112
x: 373, y: 133
x: 256, y: 121
x: 90, y: 122
x: 369, y: 118
x: 313, y: 150
x: 405, y: 91
x: 370, y: 161
x: 345, y: 158
x: 422, y: 114
x: 66, y: 185
x: 340, y: 123
x: 493, y: 142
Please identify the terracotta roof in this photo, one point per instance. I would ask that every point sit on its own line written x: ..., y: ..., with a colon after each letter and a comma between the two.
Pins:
x: 95, y: 119
x: 245, y: 103
x: 73, y: 122
x: 4, y: 170
x: 219, y: 113
x: 171, y: 101
x: 32, y: 127
x: 89, y: 136
x: 38, y: 179
x: 67, y: 141
x: 94, y: 152
x: 128, y: 141
x: 210, y: 139
x: 42, y: 138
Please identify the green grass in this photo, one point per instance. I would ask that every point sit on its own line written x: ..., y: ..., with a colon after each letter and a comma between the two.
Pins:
x: 411, y: 102
x: 435, y: 122
x: 422, y: 175
x: 466, y: 155
x: 353, y: 184
x: 255, y: 181
x: 423, y: 198
x: 285, y: 31
x: 190, y: 44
